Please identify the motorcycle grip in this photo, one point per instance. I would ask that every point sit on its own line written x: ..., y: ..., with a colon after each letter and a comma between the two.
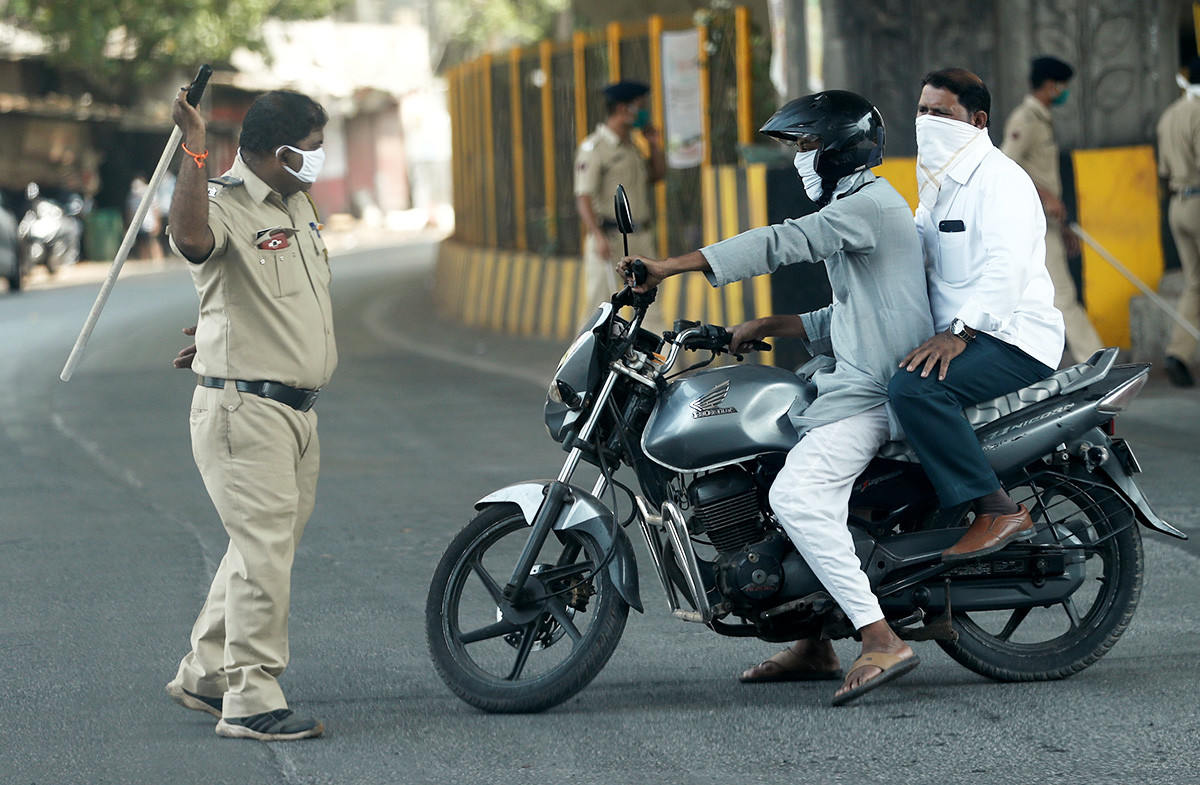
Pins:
x: 638, y: 269
x: 196, y: 89
x: 727, y: 340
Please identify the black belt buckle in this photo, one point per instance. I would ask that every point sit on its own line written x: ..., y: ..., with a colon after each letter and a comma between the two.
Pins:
x: 308, y: 401
x: 298, y: 399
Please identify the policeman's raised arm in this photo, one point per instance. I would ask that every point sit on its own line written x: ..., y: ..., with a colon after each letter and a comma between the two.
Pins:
x: 189, y: 203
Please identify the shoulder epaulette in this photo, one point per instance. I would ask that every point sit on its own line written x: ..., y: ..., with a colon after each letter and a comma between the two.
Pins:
x: 217, y: 185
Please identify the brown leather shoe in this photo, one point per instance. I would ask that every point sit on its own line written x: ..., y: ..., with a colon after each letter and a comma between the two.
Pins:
x: 989, y: 533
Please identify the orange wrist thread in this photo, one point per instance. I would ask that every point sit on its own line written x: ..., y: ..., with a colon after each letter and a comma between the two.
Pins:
x: 197, y: 157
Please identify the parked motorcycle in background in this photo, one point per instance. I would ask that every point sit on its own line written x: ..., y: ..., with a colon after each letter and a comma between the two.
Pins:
x: 50, y: 232
x: 531, y: 597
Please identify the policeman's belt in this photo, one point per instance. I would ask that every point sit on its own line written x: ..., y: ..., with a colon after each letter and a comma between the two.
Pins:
x: 613, y: 226
x: 299, y: 399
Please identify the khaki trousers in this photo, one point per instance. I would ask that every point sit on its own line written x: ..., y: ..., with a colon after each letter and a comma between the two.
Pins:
x: 1082, y: 339
x: 601, y: 281
x: 1183, y: 216
x: 259, y: 461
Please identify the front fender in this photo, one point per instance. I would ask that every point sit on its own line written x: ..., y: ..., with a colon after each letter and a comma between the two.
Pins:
x: 588, y: 514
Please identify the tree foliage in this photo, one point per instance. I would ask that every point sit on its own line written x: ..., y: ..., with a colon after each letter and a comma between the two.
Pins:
x: 150, y: 36
x: 467, y: 28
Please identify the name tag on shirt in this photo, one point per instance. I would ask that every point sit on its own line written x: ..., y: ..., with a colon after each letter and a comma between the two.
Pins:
x: 951, y: 226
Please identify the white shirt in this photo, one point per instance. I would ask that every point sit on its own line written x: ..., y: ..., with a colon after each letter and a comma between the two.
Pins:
x: 987, y: 263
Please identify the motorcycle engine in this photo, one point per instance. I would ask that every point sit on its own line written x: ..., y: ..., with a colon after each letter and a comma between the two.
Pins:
x: 727, y: 509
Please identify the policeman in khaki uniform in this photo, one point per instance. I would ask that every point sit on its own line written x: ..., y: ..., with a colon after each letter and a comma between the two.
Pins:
x: 1179, y: 168
x: 608, y: 158
x: 264, y: 346
x: 1029, y: 140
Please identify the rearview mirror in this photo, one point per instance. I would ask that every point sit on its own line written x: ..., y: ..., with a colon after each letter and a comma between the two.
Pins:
x: 623, y: 215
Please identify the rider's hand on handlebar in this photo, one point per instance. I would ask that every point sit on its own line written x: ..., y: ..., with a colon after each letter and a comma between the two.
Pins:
x: 747, y: 336
x: 655, y: 273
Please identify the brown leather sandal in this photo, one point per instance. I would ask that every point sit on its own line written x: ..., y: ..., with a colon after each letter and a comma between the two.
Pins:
x: 787, y: 665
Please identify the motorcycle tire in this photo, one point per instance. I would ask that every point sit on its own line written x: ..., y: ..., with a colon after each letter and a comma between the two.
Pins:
x: 1042, y: 644
x: 559, y: 644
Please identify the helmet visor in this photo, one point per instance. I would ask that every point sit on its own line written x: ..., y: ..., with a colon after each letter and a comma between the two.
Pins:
x: 802, y: 143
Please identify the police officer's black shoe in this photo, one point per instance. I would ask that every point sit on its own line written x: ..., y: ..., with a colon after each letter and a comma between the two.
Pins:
x: 1178, y: 372
x: 191, y: 700
x: 278, y: 725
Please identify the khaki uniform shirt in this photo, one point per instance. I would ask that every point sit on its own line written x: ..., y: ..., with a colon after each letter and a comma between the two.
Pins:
x: 1029, y: 140
x: 264, y: 290
x: 602, y: 163
x: 1179, y: 144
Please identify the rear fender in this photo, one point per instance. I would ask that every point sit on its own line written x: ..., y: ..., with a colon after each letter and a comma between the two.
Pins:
x: 1124, y: 484
x: 587, y: 514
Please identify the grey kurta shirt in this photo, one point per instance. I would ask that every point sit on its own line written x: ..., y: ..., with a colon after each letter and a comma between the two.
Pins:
x: 880, y: 310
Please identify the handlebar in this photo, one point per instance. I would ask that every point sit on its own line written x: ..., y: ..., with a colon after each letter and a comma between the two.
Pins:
x: 712, y: 337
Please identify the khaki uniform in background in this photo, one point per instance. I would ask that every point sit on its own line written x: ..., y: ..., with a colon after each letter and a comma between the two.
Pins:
x: 1179, y: 164
x: 264, y: 315
x: 602, y: 163
x: 1029, y: 140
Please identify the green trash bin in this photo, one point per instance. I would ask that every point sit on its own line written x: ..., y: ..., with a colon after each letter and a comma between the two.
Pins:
x: 103, y: 229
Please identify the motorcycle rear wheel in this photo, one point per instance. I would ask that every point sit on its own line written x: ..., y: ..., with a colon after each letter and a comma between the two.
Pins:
x: 548, y: 655
x: 1055, y: 642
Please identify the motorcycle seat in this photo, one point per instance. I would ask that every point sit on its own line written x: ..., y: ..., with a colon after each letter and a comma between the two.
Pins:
x: 1058, y: 383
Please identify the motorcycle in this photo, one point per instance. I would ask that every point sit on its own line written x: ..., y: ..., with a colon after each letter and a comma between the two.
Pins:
x: 519, y: 621
x: 49, y: 233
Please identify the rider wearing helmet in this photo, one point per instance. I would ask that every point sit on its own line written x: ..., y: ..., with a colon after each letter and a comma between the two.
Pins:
x: 864, y: 233
x: 840, y: 132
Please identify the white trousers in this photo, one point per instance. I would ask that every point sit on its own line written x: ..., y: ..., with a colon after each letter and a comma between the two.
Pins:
x: 810, y: 498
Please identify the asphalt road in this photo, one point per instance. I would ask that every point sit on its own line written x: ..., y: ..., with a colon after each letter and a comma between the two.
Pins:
x: 107, y: 544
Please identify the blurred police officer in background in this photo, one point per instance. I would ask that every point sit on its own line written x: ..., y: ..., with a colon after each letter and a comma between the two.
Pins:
x: 608, y: 158
x: 1029, y: 140
x: 1179, y: 167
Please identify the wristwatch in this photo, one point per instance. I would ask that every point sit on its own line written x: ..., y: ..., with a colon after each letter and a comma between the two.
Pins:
x: 959, y: 329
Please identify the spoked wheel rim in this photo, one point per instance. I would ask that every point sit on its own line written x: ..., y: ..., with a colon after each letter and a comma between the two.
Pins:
x: 516, y: 646
x: 1098, y: 532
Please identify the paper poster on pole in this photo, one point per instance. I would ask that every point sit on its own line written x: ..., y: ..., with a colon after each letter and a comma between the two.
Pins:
x: 681, y: 99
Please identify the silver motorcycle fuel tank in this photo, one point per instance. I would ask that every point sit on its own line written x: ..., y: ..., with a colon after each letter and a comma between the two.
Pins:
x: 719, y: 416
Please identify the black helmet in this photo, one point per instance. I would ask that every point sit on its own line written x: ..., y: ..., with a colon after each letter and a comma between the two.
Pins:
x: 848, y: 127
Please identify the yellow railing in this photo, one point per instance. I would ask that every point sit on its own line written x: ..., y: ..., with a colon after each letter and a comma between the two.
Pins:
x: 518, y: 118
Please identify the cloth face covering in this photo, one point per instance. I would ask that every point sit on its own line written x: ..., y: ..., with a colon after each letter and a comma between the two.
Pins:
x: 1192, y: 89
x: 313, y: 161
x: 940, y: 142
x: 805, y: 163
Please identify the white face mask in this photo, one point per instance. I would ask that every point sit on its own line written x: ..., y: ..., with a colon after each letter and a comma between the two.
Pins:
x: 1192, y: 90
x: 940, y: 143
x: 313, y: 160
x: 804, y: 163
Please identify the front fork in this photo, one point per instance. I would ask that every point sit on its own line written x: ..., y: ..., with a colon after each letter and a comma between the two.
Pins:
x: 557, y: 493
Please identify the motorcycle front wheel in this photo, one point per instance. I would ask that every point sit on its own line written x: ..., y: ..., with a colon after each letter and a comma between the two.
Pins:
x: 1054, y: 642
x: 548, y: 648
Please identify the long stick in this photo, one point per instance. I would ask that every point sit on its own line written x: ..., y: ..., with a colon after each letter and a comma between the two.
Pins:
x: 1138, y: 282
x: 193, y: 97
